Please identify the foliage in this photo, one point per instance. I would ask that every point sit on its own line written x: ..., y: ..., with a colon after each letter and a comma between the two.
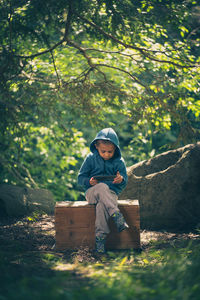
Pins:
x: 51, y: 154
x: 67, y: 66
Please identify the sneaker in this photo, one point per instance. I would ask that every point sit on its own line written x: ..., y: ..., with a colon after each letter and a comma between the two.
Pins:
x: 100, y: 244
x: 119, y: 221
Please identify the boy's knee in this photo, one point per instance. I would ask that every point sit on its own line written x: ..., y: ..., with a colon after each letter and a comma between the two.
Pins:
x: 101, y: 187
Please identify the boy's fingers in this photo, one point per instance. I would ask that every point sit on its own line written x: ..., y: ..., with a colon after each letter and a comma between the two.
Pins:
x: 117, y: 174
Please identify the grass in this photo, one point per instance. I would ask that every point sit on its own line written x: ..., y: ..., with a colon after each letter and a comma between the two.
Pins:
x: 29, y: 268
x: 155, y: 274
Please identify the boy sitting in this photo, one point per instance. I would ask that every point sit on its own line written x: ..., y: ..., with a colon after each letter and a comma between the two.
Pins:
x: 105, y: 159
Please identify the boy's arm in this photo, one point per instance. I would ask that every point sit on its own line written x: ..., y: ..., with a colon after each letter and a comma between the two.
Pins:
x: 121, y: 177
x: 84, y: 173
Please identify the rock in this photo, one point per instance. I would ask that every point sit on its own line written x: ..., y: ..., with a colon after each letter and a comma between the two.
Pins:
x: 168, y: 189
x: 13, y: 200
x: 40, y: 199
x: 19, y: 201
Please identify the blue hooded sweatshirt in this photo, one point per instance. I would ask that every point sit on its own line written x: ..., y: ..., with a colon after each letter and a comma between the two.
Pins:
x: 94, y: 164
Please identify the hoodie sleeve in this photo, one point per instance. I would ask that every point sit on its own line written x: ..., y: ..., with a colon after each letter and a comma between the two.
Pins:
x: 122, y: 171
x: 121, y: 167
x: 84, y: 173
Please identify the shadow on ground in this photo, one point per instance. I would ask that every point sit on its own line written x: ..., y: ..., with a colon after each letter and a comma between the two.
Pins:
x: 31, y: 267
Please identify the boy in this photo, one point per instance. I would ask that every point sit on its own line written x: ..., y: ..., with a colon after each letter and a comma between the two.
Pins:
x: 104, y: 159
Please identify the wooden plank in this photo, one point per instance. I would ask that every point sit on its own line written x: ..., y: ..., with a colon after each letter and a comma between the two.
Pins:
x: 82, y: 220
x: 73, y: 239
x: 79, y: 217
x: 75, y: 204
x: 128, y: 202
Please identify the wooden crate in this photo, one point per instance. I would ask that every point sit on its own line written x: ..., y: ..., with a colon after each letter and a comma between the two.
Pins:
x: 75, y: 226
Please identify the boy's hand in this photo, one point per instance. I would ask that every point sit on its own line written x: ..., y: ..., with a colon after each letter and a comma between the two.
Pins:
x: 118, y: 178
x: 93, y: 181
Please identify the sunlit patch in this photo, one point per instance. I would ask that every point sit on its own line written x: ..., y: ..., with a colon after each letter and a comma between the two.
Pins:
x: 64, y: 267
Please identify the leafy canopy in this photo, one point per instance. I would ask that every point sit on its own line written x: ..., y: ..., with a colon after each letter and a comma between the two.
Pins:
x: 67, y: 65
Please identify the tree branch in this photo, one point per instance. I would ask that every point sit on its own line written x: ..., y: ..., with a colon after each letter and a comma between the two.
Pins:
x: 122, y: 70
x: 10, y: 26
x: 16, y: 173
x: 68, y: 21
x: 81, y: 78
x: 42, y: 52
x: 55, y: 68
x: 67, y: 26
x: 145, y: 52
x: 82, y: 50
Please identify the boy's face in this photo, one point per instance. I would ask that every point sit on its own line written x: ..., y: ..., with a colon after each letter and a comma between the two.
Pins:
x: 106, y: 151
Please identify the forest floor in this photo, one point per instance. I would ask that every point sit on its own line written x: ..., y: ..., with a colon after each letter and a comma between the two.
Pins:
x: 31, y: 267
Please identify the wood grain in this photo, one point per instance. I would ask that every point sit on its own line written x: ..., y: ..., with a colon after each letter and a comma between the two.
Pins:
x: 75, y: 226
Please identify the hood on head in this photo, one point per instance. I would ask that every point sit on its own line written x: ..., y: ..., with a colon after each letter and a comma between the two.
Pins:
x: 107, y: 134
